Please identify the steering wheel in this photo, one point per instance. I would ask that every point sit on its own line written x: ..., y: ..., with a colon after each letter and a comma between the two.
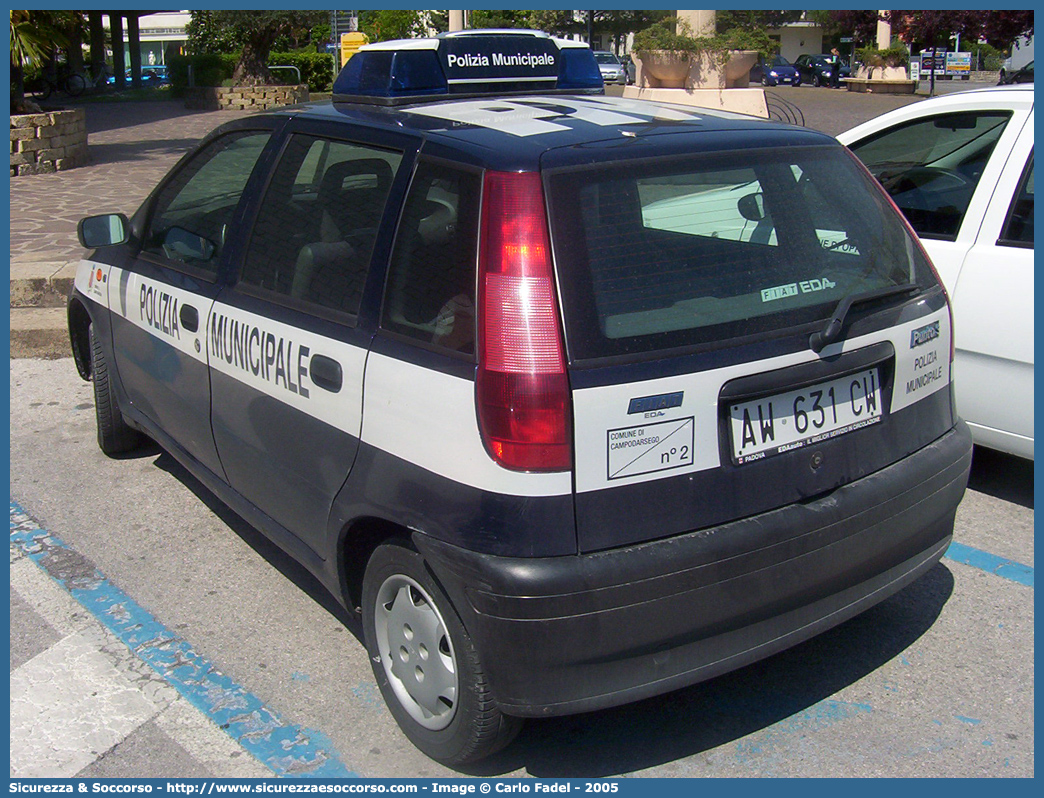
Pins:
x: 926, y: 180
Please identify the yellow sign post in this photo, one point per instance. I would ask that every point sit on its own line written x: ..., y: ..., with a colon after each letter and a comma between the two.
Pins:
x: 350, y: 44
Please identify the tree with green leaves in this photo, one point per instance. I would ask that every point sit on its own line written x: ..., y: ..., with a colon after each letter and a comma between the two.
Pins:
x: 557, y: 23
x: 205, y: 36
x: 860, y: 25
x: 620, y: 23
x: 501, y: 18
x: 753, y: 20
x: 387, y: 24
x: 258, y: 31
x: 34, y: 37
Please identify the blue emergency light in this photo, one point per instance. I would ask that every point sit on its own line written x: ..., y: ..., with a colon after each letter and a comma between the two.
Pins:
x: 467, y: 63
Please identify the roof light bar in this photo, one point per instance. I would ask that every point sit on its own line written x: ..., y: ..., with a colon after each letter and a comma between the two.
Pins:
x: 467, y: 63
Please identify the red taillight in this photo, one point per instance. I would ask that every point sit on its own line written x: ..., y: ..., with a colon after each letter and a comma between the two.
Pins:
x: 522, y: 389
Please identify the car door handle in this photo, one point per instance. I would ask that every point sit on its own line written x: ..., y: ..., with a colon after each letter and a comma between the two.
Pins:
x: 326, y: 373
x: 189, y: 318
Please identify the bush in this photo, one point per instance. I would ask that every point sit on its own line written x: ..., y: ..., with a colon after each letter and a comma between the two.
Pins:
x: 207, y: 69
x: 895, y: 56
x: 743, y: 39
x: 667, y: 34
x: 676, y: 35
x: 316, y: 69
x: 986, y: 57
x: 216, y: 69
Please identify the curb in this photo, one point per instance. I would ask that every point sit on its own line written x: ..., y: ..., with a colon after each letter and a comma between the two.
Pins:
x: 39, y: 333
x: 39, y: 296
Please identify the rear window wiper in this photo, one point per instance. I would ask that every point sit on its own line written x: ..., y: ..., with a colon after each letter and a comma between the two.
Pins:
x: 830, y: 333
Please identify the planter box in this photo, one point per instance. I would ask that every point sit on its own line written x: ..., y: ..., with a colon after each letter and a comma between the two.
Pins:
x: 259, y: 98
x: 868, y: 86
x: 48, y: 142
x: 665, y: 69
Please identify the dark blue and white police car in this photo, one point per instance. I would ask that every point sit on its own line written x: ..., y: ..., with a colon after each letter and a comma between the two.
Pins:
x: 575, y: 399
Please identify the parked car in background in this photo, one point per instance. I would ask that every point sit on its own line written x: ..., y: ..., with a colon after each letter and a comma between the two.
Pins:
x: 960, y: 167
x: 612, y: 68
x: 150, y: 76
x: 822, y: 70
x: 154, y: 75
x: 775, y: 71
x: 1024, y: 75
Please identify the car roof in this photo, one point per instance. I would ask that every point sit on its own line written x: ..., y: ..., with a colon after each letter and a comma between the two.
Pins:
x: 988, y: 98
x: 1018, y: 87
x: 513, y: 132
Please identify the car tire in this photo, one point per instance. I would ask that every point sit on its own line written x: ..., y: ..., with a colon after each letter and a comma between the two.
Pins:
x: 424, y: 661
x: 764, y: 81
x: 114, y: 434
x: 816, y: 81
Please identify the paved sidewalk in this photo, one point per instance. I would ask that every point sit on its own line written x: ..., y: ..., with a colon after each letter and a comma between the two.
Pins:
x: 131, y: 145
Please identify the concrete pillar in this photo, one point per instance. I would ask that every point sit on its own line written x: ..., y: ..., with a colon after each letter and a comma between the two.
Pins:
x: 884, y: 33
x: 702, y: 22
x: 456, y: 20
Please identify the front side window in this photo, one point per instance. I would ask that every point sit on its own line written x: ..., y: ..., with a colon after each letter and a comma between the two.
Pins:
x: 706, y: 249
x: 931, y: 166
x: 430, y: 295
x: 318, y: 222
x: 193, y: 211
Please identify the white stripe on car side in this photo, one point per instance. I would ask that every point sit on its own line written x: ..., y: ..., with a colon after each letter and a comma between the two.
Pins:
x: 433, y: 424
x: 273, y: 358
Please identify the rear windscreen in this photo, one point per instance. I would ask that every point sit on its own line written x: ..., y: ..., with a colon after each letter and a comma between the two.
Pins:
x: 671, y: 253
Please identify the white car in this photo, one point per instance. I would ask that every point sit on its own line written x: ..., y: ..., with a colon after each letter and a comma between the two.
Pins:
x: 960, y: 167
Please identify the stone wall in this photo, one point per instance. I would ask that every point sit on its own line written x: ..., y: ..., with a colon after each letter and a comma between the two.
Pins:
x: 48, y: 142
x: 256, y: 98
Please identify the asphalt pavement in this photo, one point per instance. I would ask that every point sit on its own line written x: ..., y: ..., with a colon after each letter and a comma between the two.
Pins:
x: 92, y: 697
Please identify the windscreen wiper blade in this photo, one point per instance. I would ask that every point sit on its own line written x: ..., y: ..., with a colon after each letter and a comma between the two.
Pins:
x: 819, y: 340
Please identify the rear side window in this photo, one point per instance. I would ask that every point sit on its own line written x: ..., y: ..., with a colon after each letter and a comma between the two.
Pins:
x: 430, y: 295
x: 931, y: 167
x: 318, y: 222
x: 706, y: 249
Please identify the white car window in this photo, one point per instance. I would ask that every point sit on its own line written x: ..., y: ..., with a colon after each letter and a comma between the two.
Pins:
x: 931, y: 166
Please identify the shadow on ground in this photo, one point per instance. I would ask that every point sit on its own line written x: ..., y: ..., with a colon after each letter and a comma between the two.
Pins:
x: 1002, y: 476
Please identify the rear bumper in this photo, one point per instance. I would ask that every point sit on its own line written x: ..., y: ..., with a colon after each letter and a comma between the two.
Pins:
x: 562, y: 635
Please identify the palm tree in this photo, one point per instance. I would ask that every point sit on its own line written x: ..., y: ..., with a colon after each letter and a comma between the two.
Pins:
x: 33, y: 39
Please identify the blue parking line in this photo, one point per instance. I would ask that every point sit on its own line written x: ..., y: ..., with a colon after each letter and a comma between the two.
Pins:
x: 991, y: 563
x: 286, y: 749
